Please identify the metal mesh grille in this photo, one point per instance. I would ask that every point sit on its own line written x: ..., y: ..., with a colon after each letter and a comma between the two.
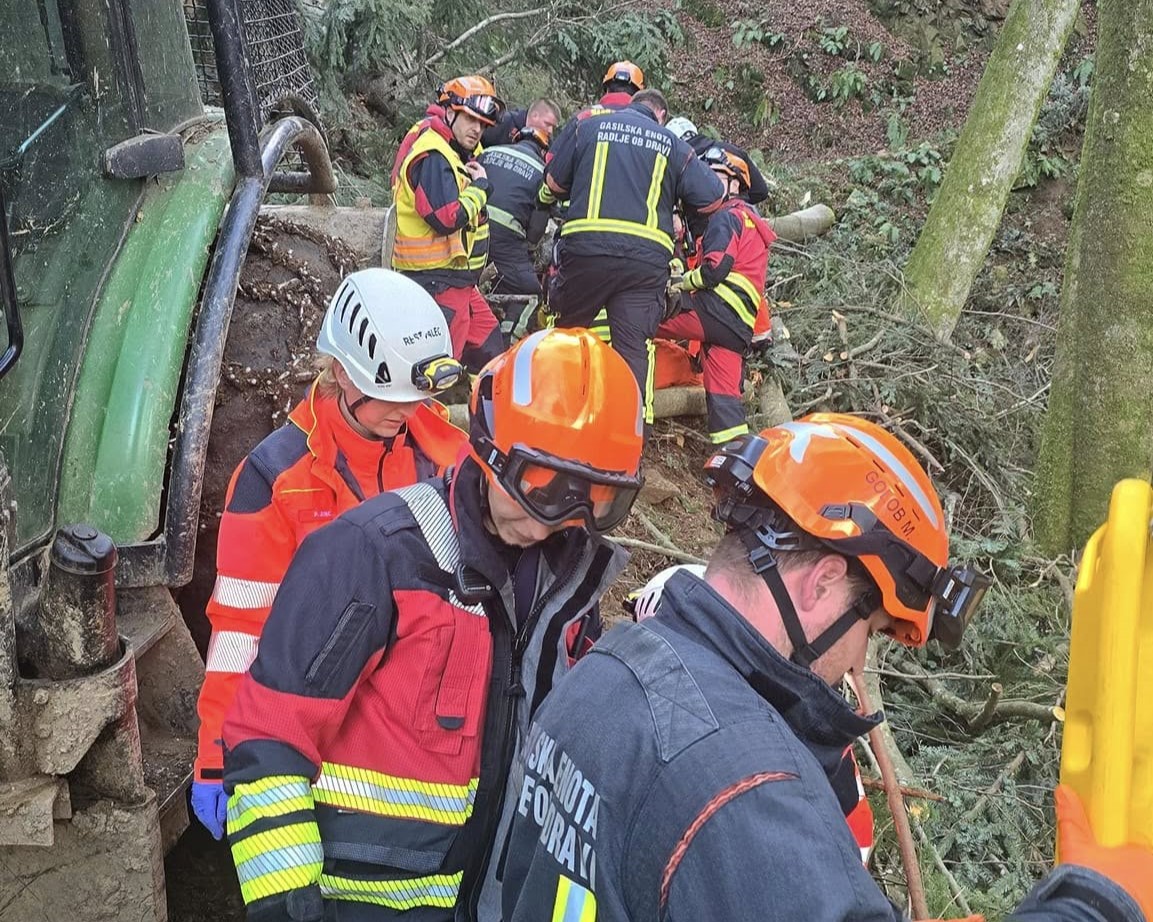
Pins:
x: 272, y: 34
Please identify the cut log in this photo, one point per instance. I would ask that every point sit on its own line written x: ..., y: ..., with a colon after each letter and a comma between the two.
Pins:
x: 799, y: 226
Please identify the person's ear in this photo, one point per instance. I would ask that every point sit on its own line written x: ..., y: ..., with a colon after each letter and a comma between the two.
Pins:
x: 824, y: 578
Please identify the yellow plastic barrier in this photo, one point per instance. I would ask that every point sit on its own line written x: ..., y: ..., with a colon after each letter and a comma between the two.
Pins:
x: 1107, y: 753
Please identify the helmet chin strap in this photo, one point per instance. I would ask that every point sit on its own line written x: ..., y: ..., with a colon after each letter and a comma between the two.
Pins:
x: 351, y: 408
x: 805, y: 651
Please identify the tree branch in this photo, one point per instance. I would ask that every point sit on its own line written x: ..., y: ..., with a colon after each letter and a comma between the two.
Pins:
x: 896, y: 801
x: 470, y: 32
x: 657, y: 549
x: 977, y: 718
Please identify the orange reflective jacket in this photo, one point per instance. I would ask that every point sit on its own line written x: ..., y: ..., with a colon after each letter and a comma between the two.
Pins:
x: 300, y: 477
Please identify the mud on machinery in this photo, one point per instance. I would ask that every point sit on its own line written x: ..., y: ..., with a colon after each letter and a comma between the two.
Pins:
x: 138, y: 139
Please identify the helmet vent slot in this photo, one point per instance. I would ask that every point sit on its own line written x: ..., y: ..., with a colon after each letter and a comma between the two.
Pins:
x: 372, y: 345
x: 360, y: 333
x: 352, y: 319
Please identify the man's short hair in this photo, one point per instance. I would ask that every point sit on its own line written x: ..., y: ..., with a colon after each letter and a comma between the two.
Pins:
x: 539, y: 105
x: 731, y: 558
x: 652, y: 99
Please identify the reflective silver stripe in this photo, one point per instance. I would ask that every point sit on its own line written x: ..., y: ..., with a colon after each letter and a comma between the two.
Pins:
x: 522, y: 369
x: 435, y: 523
x: 243, y: 593
x: 506, y: 220
x: 231, y: 651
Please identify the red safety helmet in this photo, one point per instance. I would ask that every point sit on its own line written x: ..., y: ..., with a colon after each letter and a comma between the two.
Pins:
x: 722, y: 161
x: 474, y: 95
x: 836, y: 481
x: 624, y: 72
x: 558, y: 423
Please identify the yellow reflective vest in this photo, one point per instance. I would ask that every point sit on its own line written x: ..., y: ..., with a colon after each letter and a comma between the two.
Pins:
x: 418, y: 245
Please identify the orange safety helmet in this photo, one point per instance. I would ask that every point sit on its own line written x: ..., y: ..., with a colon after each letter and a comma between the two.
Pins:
x: 558, y: 423
x: 534, y: 134
x: 475, y: 95
x: 624, y: 72
x: 720, y: 160
x: 836, y: 481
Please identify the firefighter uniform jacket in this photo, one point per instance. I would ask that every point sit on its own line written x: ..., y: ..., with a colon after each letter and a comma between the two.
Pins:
x: 441, y: 225
x: 300, y: 477
x: 609, y: 102
x: 510, y: 122
x: 680, y: 773
x: 623, y: 173
x: 515, y: 172
x: 731, y: 275
x: 367, y: 751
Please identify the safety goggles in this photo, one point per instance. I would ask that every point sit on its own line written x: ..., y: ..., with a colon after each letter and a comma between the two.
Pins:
x: 555, y: 491
x: 949, y: 596
x: 436, y: 374
x: 486, y: 107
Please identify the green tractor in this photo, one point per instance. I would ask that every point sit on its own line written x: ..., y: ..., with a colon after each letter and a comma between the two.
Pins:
x: 138, y: 140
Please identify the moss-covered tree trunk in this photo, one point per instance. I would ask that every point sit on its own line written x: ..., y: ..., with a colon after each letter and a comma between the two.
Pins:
x: 964, y: 217
x: 1099, y: 427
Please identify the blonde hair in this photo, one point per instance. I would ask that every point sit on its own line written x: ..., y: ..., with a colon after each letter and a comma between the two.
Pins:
x: 326, y: 383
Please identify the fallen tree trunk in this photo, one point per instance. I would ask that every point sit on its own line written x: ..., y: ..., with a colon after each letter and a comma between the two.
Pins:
x: 799, y: 226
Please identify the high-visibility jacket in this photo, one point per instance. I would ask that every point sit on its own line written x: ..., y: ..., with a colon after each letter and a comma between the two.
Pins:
x: 368, y: 749
x: 733, y: 264
x: 299, y: 478
x: 441, y: 224
x: 623, y: 173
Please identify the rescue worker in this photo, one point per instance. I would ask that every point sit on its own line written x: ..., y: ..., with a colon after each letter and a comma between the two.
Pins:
x: 623, y: 173
x: 621, y: 82
x: 367, y: 424
x: 440, y: 192
x: 367, y: 751
x: 542, y: 113
x: 845, y: 779
x: 515, y: 173
x: 722, y: 709
x: 684, y: 129
x: 719, y: 299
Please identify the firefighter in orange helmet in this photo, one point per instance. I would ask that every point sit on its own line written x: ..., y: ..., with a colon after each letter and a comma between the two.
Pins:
x: 413, y: 637
x: 440, y: 192
x: 722, y: 705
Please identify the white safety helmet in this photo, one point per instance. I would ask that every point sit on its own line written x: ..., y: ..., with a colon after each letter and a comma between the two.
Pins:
x: 643, y: 602
x: 681, y: 127
x: 390, y: 336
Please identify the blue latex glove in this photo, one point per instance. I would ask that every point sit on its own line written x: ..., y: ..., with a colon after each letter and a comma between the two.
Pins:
x: 210, y: 804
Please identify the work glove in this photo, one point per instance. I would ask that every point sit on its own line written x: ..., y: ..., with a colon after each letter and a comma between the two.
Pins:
x: 692, y: 281
x: 1128, y: 866
x: 210, y: 804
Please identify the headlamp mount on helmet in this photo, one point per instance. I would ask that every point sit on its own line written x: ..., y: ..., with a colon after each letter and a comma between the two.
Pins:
x: 436, y: 374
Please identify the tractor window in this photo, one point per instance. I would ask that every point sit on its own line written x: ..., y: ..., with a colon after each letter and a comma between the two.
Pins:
x: 60, y: 107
